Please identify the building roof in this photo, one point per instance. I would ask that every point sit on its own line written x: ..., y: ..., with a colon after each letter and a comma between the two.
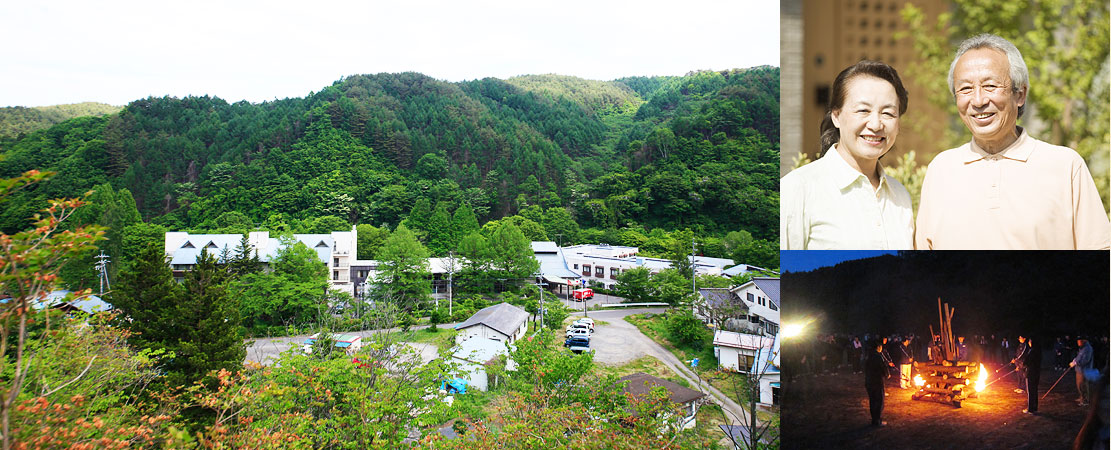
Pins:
x: 742, y: 268
x: 57, y: 299
x: 502, y: 317
x: 553, y: 267
x: 718, y: 296
x: 640, y: 385
x: 190, y: 249
x: 720, y: 263
x: 739, y: 433
x: 767, y: 357
x: 723, y: 338
x: 770, y: 286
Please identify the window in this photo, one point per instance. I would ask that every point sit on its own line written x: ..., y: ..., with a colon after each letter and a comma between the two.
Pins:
x: 750, y: 297
x: 576, y: 267
x: 744, y: 362
x: 614, y: 272
x: 586, y: 270
x: 335, y: 261
x: 761, y: 300
x: 335, y: 274
x: 599, y: 272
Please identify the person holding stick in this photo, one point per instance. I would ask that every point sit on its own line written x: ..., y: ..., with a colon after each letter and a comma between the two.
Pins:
x: 875, y: 372
x: 1032, y: 363
x: 1018, y: 361
x: 1082, y: 361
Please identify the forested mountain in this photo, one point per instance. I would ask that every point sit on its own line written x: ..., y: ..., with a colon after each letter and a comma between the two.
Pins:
x: 698, y: 151
x: 18, y: 120
x: 993, y: 292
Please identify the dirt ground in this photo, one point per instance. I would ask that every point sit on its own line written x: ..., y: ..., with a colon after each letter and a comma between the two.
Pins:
x: 831, y: 411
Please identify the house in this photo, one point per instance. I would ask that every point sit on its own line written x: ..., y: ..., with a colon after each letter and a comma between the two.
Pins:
x: 761, y: 295
x: 640, y: 386
x: 500, y: 322
x: 472, y: 357
x: 767, y: 368
x: 738, y: 351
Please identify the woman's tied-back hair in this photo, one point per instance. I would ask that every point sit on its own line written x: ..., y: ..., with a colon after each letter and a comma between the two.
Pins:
x: 830, y: 133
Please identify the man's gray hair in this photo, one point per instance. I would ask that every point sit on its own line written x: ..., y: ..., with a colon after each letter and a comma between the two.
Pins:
x: 1020, y: 75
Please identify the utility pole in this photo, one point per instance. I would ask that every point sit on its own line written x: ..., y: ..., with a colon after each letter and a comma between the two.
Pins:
x: 540, y: 287
x: 694, y: 275
x: 102, y: 268
x: 450, y: 272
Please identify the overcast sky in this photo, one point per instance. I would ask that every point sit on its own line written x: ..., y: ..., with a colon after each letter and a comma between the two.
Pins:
x: 70, y: 51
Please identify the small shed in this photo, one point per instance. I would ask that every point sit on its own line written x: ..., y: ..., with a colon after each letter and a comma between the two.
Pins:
x: 640, y: 385
x: 501, y: 322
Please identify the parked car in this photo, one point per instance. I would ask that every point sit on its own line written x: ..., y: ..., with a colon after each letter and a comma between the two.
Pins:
x: 577, y: 344
x: 588, y: 321
x: 578, y: 332
x: 579, y: 326
x: 583, y: 294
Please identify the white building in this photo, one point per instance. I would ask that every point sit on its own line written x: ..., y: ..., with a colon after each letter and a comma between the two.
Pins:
x: 501, y: 322
x: 336, y: 250
x: 767, y: 366
x: 737, y: 351
x: 471, y: 357
x: 601, y: 263
x: 761, y: 294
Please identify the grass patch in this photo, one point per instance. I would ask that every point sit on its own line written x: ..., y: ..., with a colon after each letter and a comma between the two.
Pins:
x: 733, y: 385
x: 442, y: 338
x: 645, y: 364
x: 655, y: 327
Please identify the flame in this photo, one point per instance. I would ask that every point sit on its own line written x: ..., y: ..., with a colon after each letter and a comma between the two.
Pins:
x: 918, y: 381
x: 982, y: 380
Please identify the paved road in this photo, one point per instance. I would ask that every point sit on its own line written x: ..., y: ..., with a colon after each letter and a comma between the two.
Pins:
x: 619, y: 342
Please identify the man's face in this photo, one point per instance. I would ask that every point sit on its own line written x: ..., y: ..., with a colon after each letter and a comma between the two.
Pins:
x: 985, y: 99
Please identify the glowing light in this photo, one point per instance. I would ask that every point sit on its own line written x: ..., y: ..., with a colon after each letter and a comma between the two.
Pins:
x: 982, y: 380
x: 792, y: 330
x: 918, y: 381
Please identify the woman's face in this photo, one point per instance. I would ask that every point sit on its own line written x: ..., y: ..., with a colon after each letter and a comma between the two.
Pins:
x: 869, y: 118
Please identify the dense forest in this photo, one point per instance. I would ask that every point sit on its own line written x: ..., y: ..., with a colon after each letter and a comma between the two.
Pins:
x: 1004, y: 292
x: 16, y: 121
x: 624, y: 158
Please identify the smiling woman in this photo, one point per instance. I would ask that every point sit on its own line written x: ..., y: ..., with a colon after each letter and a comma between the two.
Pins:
x: 844, y: 200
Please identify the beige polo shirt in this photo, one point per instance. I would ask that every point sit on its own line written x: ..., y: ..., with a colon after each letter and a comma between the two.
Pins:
x: 1031, y: 195
x: 828, y: 205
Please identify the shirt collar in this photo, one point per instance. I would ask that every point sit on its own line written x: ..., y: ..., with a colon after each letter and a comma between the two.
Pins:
x: 1017, y: 151
x: 844, y: 175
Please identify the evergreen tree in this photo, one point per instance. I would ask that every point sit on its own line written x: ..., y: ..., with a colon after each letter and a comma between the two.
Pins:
x: 245, y: 260
x: 419, y: 217
x: 146, y: 296
x: 463, y: 223
x: 439, y: 232
x: 209, y: 336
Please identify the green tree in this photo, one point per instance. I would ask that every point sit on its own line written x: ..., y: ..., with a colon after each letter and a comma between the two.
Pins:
x: 510, y: 253
x: 293, y: 293
x: 560, y: 225
x: 369, y: 239
x: 419, y: 217
x: 463, y: 222
x: 440, y: 238
x: 209, y: 332
x: 633, y: 285
x: 28, y: 270
x: 146, y: 296
x: 403, y: 273
x: 679, y: 252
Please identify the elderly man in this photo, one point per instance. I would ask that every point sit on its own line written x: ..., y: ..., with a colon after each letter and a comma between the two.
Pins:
x: 1005, y: 189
